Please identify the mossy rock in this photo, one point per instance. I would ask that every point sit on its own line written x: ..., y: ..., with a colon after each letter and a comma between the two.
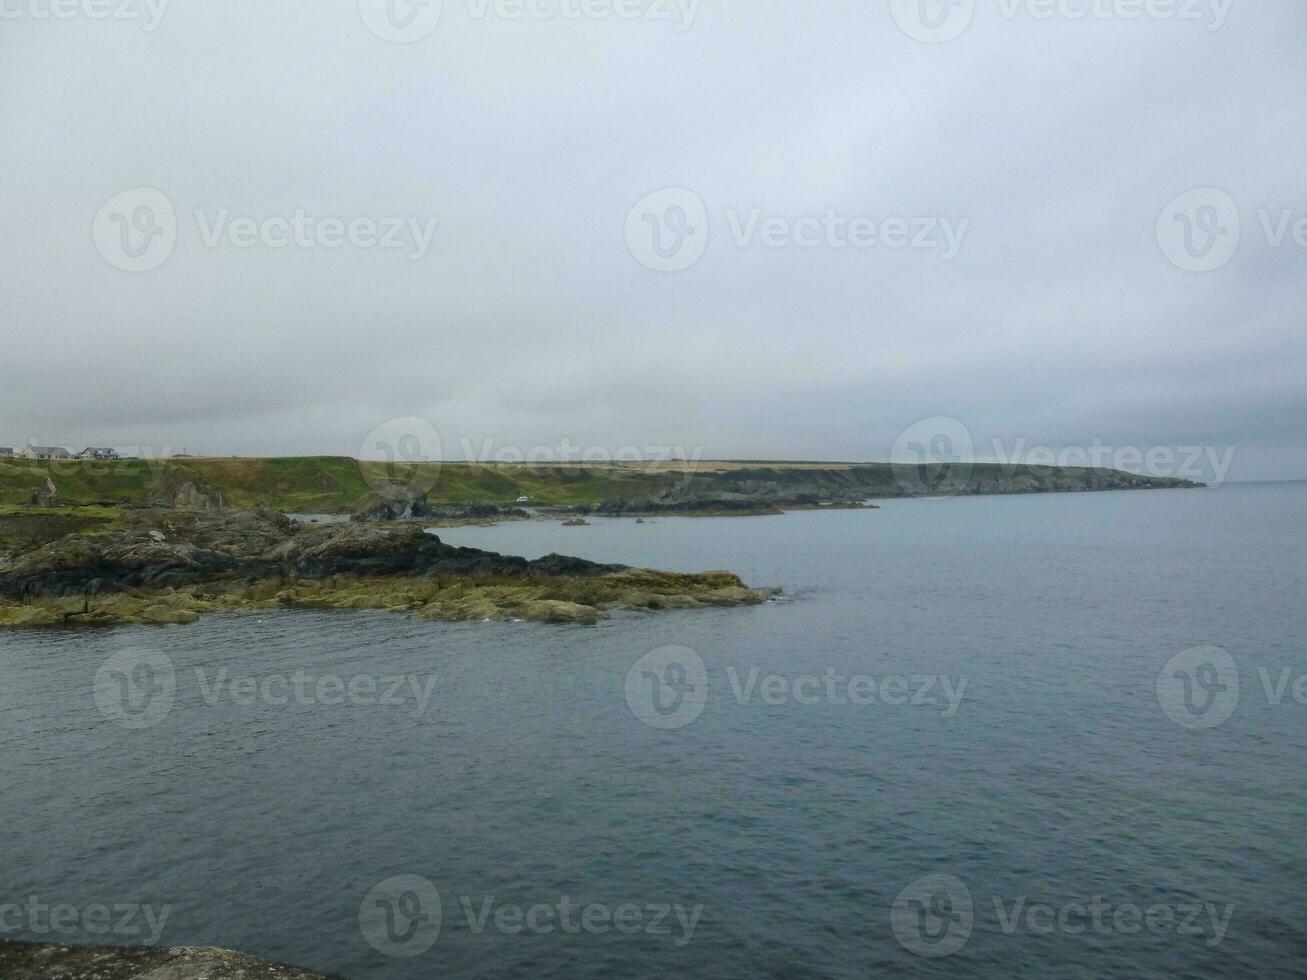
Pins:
x: 30, y: 616
x: 163, y: 615
x: 553, y: 611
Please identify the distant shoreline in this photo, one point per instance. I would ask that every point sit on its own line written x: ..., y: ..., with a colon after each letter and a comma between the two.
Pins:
x: 341, y: 485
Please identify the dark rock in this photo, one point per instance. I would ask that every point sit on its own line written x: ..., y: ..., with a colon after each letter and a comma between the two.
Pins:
x: 180, y: 492
x: 46, y: 495
x: 174, y: 549
x: 30, y: 961
x: 415, y: 506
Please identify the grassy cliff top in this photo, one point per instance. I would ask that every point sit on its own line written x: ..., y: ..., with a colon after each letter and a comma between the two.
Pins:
x: 331, y: 484
x: 317, y: 484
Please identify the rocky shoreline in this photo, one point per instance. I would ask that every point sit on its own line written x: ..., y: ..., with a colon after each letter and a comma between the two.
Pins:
x: 54, y: 961
x: 171, y: 566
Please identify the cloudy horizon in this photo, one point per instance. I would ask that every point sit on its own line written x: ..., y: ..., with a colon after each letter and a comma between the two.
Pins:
x: 783, y: 233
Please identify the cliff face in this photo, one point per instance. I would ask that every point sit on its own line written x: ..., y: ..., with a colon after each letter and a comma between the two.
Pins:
x: 769, y: 488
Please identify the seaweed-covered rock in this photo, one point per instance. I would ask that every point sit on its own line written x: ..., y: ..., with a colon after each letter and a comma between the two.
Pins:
x: 168, y: 567
x: 30, y: 961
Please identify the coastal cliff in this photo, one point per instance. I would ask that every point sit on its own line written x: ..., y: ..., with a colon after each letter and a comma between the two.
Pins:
x: 471, y: 491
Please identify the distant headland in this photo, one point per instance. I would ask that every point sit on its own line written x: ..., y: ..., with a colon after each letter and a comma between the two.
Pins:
x: 341, y: 485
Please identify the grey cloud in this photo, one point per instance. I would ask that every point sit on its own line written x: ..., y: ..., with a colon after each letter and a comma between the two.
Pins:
x: 529, y: 320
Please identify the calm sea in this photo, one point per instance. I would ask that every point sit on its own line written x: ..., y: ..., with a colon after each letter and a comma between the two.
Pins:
x: 1006, y: 736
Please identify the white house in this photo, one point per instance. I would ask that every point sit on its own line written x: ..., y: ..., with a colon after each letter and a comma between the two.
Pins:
x: 97, y: 452
x: 46, y: 452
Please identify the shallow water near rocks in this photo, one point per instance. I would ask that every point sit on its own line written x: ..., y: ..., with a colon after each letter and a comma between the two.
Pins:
x: 529, y: 777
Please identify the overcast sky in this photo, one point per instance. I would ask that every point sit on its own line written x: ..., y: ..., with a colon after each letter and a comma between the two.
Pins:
x: 986, y: 228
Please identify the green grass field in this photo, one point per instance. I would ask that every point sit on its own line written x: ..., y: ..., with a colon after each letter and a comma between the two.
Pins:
x: 336, y: 484
x: 317, y: 484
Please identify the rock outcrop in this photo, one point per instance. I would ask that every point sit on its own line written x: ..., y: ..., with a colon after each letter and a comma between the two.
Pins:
x: 46, y: 495
x: 182, y: 493
x: 44, y: 961
x: 415, y: 506
x: 161, y: 566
